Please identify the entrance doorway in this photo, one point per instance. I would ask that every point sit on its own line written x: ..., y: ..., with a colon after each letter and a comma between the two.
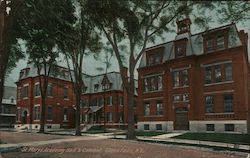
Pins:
x: 181, y: 119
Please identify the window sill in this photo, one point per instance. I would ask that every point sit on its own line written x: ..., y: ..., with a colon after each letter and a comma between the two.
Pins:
x: 155, y: 91
x: 25, y: 98
x: 49, y: 120
x: 50, y: 97
x: 154, y: 116
x: 36, y: 120
x: 37, y: 96
x: 218, y: 83
x: 180, y: 87
x: 225, y: 113
x: 65, y: 120
x: 66, y: 99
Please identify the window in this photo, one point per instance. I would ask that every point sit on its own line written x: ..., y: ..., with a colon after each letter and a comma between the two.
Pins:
x: 37, y: 113
x: 25, y: 91
x: 19, y: 93
x: 121, y: 100
x: 100, y: 101
x: 228, y: 72
x: 220, y: 42
x: 146, y: 126
x: 210, y: 127
x: 158, y: 127
x: 177, y: 98
x: 121, y: 117
x: 106, y: 86
x: 229, y: 127
x: 154, y: 58
x: 37, y: 90
x: 145, y: 85
x: 228, y: 103
x: 176, y: 79
x: 96, y: 87
x: 209, y: 103
x: 65, y: 114
x: 179, y: 50
x: 109, y: 100
x: 153, y: 83
x: 157, y: 58
x: 159, y: 108
x: 210, y: 46
x: 146, y: 109
x: 151, y: 60
x: 217, y: 72
x: 19, y: 114
x: 208, y: 75
x: 50, y: 90
x: 185, y: 77
x: 109, y: 117
x: 185, y: 97
x: 65, y: 93
x: 50, y: 112
x: 84, y: 102
x: 159, y: 82
x: 12, y: 100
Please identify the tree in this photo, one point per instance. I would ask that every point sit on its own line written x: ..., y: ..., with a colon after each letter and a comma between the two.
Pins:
x: 8, y: 42
x: 83, y: 41
x: 137, y: 23
x: 233, y: 11
x: 45, y: 24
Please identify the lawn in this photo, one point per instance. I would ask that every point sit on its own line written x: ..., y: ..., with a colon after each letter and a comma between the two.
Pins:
x: 96, y: 130
x: 218, y: 137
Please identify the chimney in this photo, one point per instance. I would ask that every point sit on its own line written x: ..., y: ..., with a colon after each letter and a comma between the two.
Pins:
x: 243, y: 37
x: 183, y: 26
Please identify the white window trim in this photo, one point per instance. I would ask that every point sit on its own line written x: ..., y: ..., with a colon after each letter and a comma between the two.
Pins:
x: 152, y: 75
x: 216, y: 63
x: 181, y: 68
x: 37, y: 105
x: 218, y: 92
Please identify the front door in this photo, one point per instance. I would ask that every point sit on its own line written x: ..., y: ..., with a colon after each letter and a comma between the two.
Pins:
x: 181, y: 119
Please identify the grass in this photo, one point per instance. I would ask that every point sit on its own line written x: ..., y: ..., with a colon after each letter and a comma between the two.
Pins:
x: 96, y: 130
x: 218, y: 137
x: 146, y: 134
x: 197, y: 145
x: 149, y: 134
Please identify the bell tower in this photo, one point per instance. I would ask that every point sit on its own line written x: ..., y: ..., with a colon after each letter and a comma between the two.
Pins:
x: 183, y: 26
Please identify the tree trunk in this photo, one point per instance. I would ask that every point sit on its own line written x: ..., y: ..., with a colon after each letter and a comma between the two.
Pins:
x: 77, y: 121
x: 42, y: 120
x: 1, y: 91
x: 130, y: 99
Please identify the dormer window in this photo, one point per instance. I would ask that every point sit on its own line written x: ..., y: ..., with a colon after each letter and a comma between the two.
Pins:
x: 215, y: 41
x: 96, y: 87
x: 154, y: 58
x: 180, y: 48
x: 220, y: 42
x: 210, y: 46
x: 106, y: 86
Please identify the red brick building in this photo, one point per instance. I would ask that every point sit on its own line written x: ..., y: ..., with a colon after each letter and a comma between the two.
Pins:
x: 197, y: 82
x: 60, y: 100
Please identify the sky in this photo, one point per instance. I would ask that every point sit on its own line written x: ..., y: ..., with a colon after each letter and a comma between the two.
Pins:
x: 91, y: 65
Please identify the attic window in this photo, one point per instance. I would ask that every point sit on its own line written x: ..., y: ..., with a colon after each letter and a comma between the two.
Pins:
x: 154, y: 58
x: 12, y: 100
x: 220, y: 42
x: 96, y: 87
x: 106, y: 86
x: 210, y: 45
x: 27, y: 72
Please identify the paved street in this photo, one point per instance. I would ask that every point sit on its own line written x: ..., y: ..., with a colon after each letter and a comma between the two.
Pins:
x: 87, y: 147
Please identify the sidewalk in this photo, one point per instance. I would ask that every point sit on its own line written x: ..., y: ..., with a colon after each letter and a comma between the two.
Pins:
x: 11, y: 147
